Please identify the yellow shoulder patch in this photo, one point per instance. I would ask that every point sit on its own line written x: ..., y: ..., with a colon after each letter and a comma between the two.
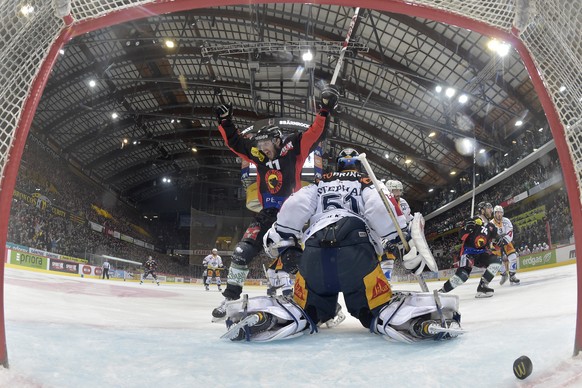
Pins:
x: 257, y: 154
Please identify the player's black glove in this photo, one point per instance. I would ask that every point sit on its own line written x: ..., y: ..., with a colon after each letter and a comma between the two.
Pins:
x: 223, y: 112
x: 329, y: 98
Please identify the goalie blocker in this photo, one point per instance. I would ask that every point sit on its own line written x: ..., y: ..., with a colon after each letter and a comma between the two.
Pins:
x: 408, y: 317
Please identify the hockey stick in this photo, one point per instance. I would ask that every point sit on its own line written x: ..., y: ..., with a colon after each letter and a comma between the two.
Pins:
x: 362, y: 158
x: 340, y: 60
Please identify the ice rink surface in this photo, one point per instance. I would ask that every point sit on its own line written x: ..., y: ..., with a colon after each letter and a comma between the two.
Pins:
x: 75, y: 332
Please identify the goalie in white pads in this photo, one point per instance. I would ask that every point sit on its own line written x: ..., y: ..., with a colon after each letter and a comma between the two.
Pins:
x: 348, y: 222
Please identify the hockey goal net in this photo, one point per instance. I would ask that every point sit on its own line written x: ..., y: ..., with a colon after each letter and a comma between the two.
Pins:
x: 545, y: 33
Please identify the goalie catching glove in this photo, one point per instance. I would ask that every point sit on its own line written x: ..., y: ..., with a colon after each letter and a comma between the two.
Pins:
x: 419, y: 255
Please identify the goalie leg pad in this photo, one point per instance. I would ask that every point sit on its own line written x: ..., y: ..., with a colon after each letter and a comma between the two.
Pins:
x: 288, y: 319
x: 279, y: 279
x: 396, y: 318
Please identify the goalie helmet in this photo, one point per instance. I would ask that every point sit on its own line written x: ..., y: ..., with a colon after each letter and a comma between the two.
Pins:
x: 348, y: 160
x: 394, y: 185
x: 498, y: 209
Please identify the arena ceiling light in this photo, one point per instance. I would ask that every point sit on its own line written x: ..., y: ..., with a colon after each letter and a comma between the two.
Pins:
x: 432, y: 134
x: 169, y: 43
x: 26, y: 9
x: 114, y: 115
x: 438, y: 89
x: 92, y: 83
x: 501, y: 48
x: 463, y: 98
x: 518, y: 123
x: 307, y: 56
x: 450, y: 92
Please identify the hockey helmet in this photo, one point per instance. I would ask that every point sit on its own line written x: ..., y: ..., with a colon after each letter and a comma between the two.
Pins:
x: 498, y: 208
x: 214, y: 250
x: 394, y: 185
x: 482, y: 206
x: 348, y: 160
x: 268, y: 132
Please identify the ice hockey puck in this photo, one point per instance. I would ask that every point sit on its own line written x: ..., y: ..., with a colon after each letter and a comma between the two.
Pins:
x: 522, y: 367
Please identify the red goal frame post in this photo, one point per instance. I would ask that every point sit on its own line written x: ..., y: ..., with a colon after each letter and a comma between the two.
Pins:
x: 495, y: 18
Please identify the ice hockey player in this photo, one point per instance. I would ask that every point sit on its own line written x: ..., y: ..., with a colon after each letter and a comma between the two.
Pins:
x: 348, y: 224
x: 504, y: 246
x: 279, y: 162
x: 214, y: 265
x: 390, y: 255
x: 150, y: 269
x: 477, y: 236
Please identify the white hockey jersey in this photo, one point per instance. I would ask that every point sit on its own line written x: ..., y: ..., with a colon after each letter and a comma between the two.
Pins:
x: 405, y: 207
x: 212, y: 262
x: 504, y: 228
x: 337, y: 195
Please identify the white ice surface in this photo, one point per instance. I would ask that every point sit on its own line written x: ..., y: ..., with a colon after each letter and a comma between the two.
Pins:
x: 74, y: 332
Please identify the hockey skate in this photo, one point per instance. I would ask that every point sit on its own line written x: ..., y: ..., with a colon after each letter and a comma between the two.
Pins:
x: 206, y: 287
x: 219, y: 289
x: 483, y: 291
x: 435, y: 329
x: 272, y: 291
x: 513, y: 279
x: 504, y: 278
x: 335, y: 321
x: 219, y: 313
x: 253, y: 324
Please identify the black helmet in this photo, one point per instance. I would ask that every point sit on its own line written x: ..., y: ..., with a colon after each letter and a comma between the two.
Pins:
x: 348, y: 160
x: 269, y: 131
x: 483, y: 205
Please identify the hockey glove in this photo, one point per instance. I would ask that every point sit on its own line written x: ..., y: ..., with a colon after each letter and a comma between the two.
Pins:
x: 223, y: 112
x: 276, y: 243
x: 329, y: 98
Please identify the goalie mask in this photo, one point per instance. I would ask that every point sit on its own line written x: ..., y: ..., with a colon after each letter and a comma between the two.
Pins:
x: 348, y: 160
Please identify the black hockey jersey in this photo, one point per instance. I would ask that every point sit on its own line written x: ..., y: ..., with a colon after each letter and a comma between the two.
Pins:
x: 276, y: 179
x: 477, y: 236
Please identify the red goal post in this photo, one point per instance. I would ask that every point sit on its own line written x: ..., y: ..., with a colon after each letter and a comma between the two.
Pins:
x: 546, y: 35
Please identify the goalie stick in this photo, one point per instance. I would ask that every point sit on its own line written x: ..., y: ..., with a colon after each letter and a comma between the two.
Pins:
x: 368, y: 168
